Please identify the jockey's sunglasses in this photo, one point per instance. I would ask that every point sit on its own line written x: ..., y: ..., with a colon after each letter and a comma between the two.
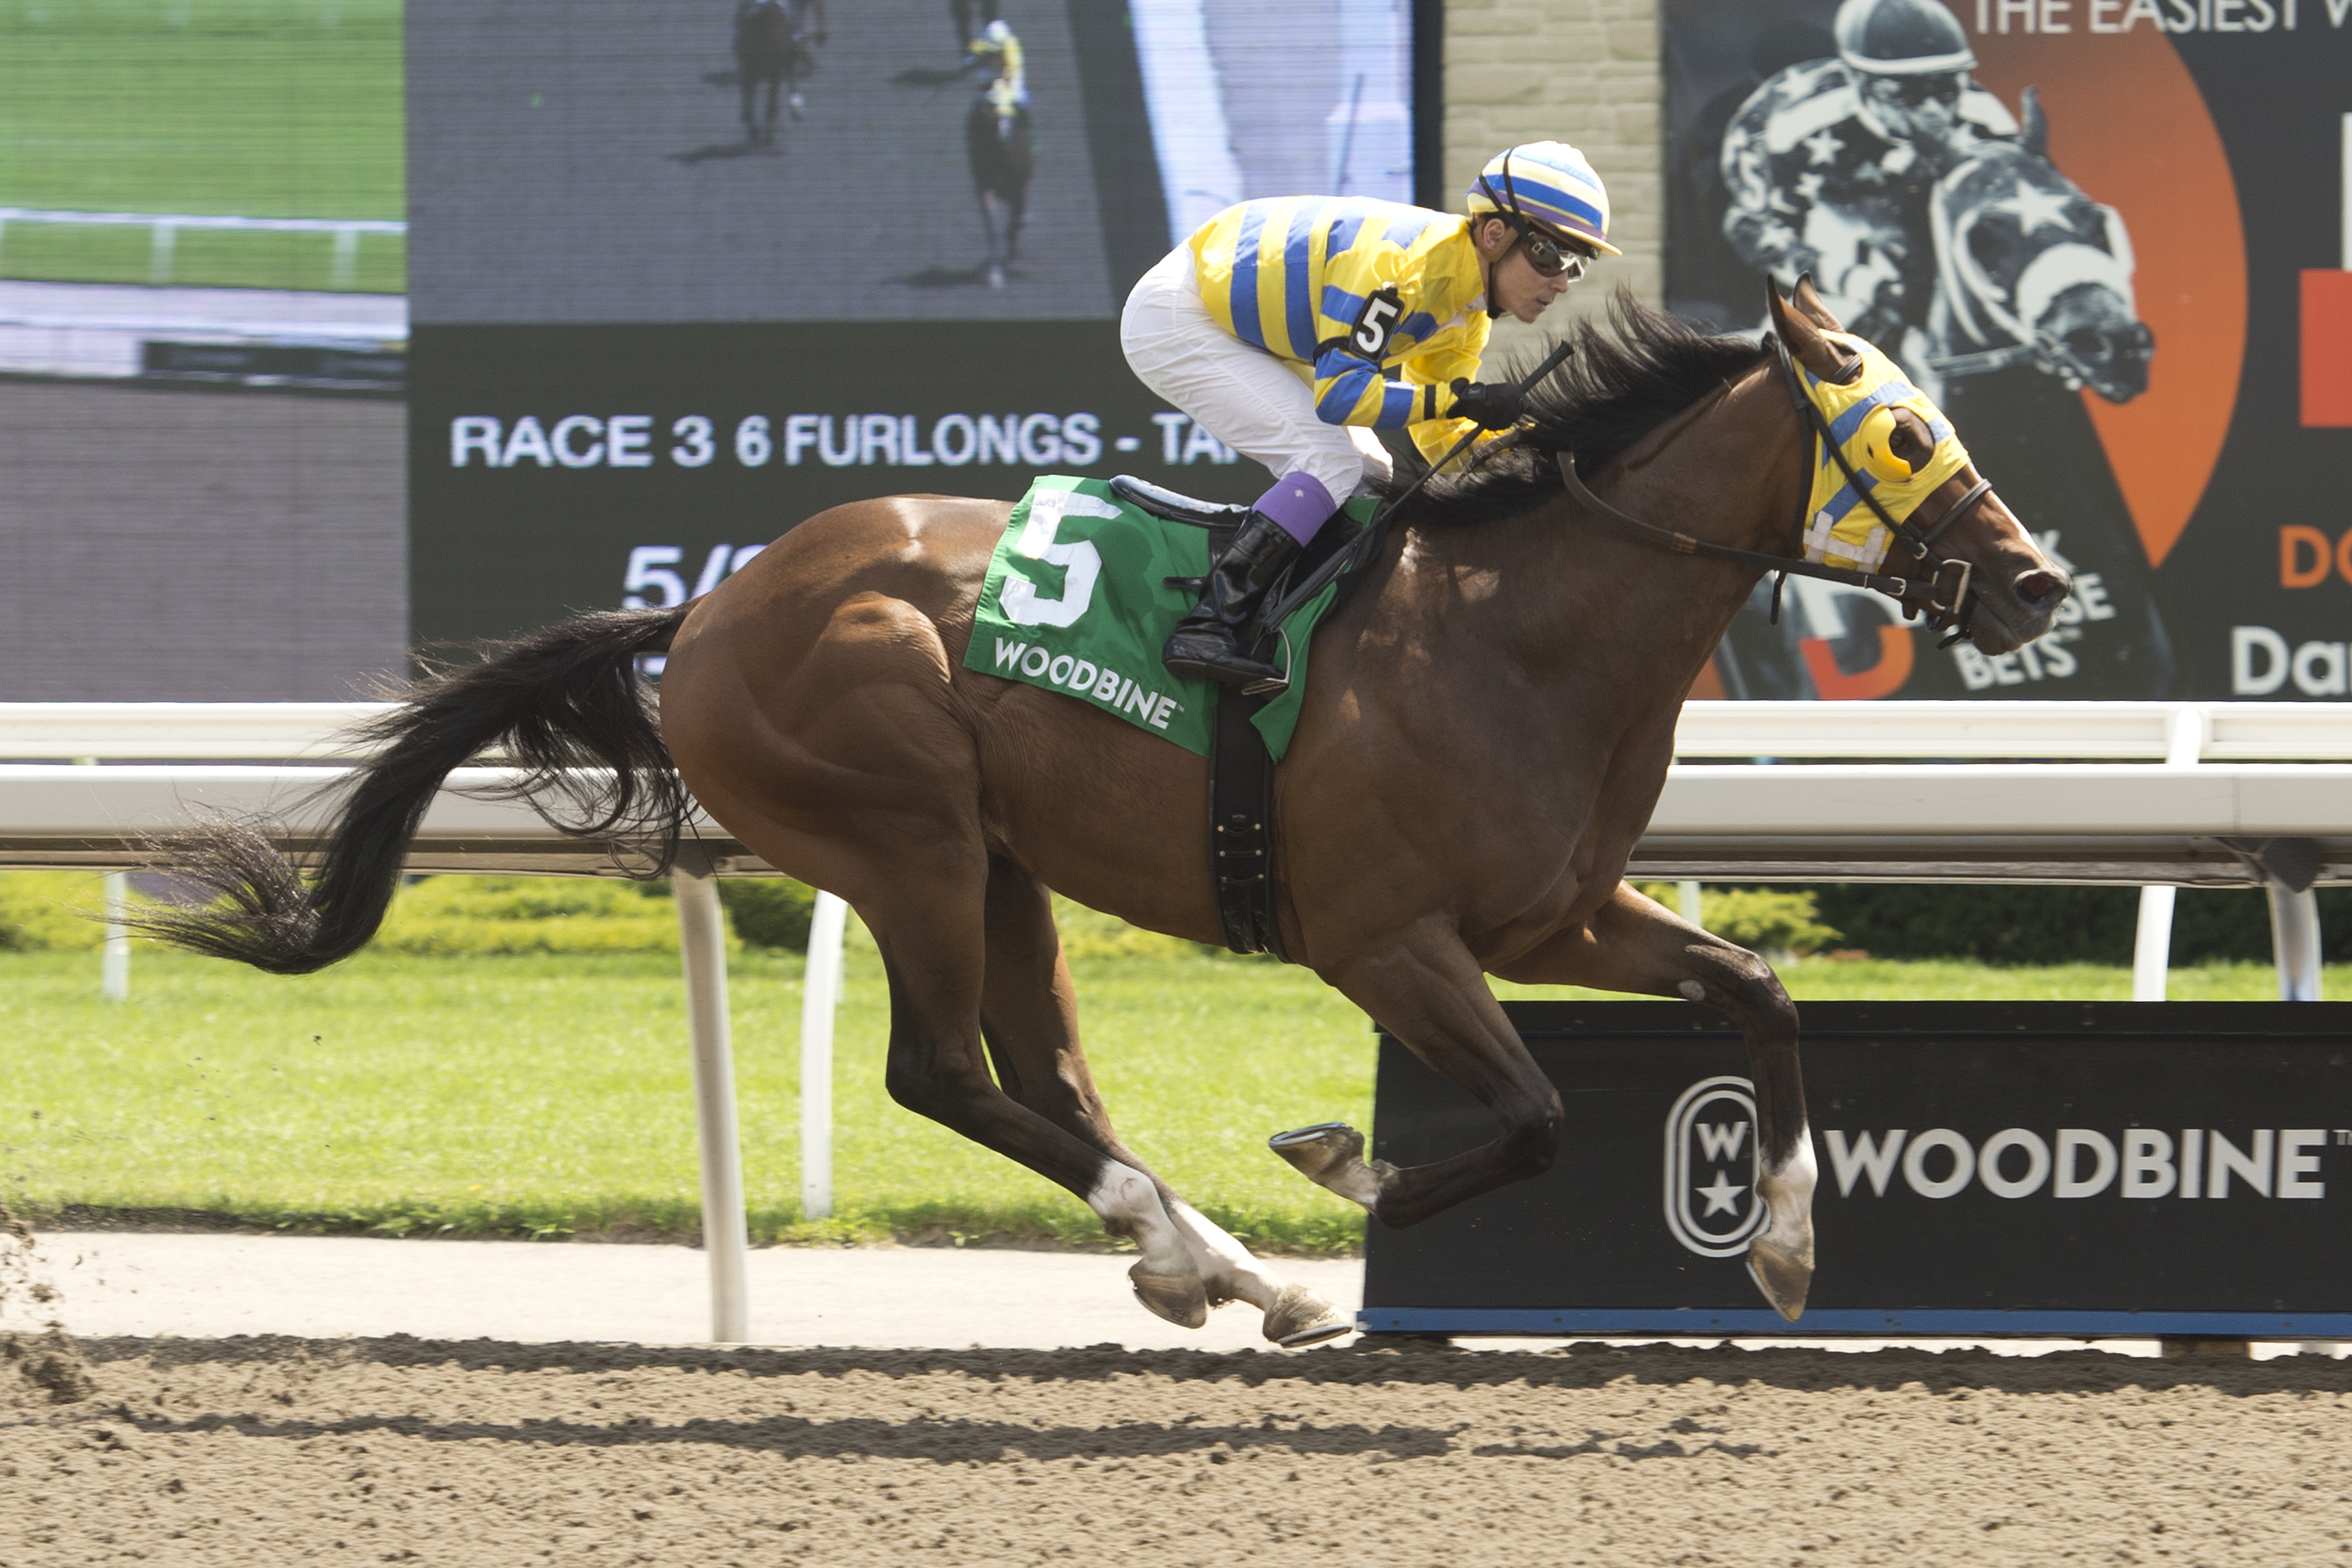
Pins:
x: 1548, y: 256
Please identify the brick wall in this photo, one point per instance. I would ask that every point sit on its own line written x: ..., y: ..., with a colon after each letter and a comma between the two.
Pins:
x: 1583, y: 71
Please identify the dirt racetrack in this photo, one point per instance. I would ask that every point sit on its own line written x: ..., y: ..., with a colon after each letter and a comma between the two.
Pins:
x: 274, y: 1451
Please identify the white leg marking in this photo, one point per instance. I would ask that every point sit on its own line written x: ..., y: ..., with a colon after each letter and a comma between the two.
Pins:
x: 1228, y: 1269
x: 1129, y: 1206
x: 1788, y: 1191
x: 1358, y: 1182
x: 1692, y: 991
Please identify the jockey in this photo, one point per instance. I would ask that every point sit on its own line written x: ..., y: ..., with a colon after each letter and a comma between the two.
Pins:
x: 997, y: 52
x: 1291, y: 328
x: 1832, y: 162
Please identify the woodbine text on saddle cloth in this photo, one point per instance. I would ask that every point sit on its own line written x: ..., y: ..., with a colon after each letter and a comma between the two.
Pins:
x: 1077, y: 601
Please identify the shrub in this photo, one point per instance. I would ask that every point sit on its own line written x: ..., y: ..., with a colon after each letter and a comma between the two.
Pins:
x: 769, y: 911
x: 47, y: 911
x: 1997, y: 924
x: 1763, y: 920
x: 439, y: 916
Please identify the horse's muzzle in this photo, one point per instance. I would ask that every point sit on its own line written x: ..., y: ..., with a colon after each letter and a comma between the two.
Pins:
x: 2007, y: 620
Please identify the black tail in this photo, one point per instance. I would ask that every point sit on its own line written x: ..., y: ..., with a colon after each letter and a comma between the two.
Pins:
x: 565, y: 704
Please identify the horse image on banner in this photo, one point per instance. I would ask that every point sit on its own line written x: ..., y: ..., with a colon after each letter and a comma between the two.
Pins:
x: 2029, y: 270
x: 1933, y: 219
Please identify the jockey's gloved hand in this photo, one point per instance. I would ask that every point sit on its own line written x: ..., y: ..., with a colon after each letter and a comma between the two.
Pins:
x: 1489, y: 405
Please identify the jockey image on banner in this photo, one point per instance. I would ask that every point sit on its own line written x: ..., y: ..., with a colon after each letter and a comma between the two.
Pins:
x: 1934, y: 225
x: 1292, y: 328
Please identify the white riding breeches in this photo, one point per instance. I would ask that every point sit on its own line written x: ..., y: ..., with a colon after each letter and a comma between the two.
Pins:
x: 1260, y: 405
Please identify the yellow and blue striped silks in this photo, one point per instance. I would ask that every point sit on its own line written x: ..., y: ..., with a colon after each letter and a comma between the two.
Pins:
x: 1381, y: 305
x: 1841, y: 529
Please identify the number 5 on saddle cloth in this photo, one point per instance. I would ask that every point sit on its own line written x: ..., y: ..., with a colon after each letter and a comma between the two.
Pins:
x: 1084, y: 586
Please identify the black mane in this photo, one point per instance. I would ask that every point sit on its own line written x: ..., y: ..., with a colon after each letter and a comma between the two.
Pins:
x: 1622, y: 382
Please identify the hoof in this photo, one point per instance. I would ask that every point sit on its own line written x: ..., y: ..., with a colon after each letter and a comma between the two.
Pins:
x: 1300, y: 1318
x: 1331, y: 1154
x: 1783, y: 1277
x: 1316, y: 1149
x: 1179, y: 1297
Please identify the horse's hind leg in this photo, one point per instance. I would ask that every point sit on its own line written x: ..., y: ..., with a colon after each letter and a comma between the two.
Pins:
x: 1635, y: 945
x: 928, y: 924
x: 921, y: 885
x: 1028, y: 1015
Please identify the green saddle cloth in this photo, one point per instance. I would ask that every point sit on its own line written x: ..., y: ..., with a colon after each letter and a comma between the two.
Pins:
x: 1077, y: 602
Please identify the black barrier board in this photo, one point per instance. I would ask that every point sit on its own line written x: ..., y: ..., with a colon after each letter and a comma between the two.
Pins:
x: 1985, y: 1168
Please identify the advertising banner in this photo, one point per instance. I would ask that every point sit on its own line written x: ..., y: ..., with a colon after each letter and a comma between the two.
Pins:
x: 2113, y: 238
x: 2055, y: 1168
x: 685, y: 272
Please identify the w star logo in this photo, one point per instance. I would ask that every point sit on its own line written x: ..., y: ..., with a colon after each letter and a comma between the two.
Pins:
x: 1711, y: 1168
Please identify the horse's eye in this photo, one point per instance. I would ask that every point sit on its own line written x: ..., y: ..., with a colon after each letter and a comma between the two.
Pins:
x: 1910, y: 442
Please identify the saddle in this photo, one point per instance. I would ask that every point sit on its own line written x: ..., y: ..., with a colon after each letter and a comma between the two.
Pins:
x: 1241, y: 769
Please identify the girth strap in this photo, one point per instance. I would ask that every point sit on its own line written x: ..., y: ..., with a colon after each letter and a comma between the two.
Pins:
x: 1240, y: 813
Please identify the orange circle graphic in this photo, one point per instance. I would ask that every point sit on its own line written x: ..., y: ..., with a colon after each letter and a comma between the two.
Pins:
x: 2128, y: 126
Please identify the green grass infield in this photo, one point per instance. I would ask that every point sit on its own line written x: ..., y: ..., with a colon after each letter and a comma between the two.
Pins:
x: 253, y: 107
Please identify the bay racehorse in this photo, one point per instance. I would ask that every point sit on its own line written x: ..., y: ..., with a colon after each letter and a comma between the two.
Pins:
x: 773, y: 49
x: 1488, y: 726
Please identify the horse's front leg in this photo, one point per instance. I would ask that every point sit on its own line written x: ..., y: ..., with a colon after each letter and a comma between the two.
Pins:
x: 1428, y: 990
x: 1635, y: 945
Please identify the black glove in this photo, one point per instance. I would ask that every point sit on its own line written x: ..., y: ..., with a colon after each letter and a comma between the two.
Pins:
x: 1489, y: 405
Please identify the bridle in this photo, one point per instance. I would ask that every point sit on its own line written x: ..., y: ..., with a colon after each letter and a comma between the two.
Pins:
x: 1939, y: 587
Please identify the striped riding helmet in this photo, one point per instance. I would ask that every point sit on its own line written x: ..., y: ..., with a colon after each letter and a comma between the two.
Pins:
x: 1550, y: 185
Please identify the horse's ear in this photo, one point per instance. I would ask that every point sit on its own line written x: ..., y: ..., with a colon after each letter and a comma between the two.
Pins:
x: 1804, y: 336
x: 2033, y: 133
x: 1808, y: 298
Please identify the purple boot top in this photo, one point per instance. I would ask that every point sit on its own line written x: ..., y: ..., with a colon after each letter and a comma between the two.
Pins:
x: 1299, y: 503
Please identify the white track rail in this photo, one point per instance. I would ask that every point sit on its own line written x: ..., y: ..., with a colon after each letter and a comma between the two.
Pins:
x: 1915, y: 732
x: 164, y: 231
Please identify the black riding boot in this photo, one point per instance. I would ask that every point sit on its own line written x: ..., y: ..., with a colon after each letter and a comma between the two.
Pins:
x: 1214, y: 640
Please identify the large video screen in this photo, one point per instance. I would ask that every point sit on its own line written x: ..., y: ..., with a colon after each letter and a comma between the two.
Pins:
x: 2114, y: 239
x: 685, y: 272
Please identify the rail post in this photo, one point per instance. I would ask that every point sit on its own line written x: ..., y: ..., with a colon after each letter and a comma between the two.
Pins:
x: 2294, y: 940
x: 114, y: 967
x: 702, y: 946
x: 820, y: 998
x: 2187, y: 729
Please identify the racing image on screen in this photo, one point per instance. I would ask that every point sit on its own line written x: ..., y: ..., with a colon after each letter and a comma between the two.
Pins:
x: 659, y: 161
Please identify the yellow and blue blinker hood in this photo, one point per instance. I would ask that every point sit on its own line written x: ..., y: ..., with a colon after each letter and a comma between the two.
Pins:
x: 1840, y: 529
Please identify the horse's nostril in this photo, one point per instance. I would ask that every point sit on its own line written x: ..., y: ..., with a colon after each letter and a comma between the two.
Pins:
x: 2039, y: 590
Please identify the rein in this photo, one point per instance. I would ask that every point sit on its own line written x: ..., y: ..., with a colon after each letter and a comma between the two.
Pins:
x: 1943, y: 590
